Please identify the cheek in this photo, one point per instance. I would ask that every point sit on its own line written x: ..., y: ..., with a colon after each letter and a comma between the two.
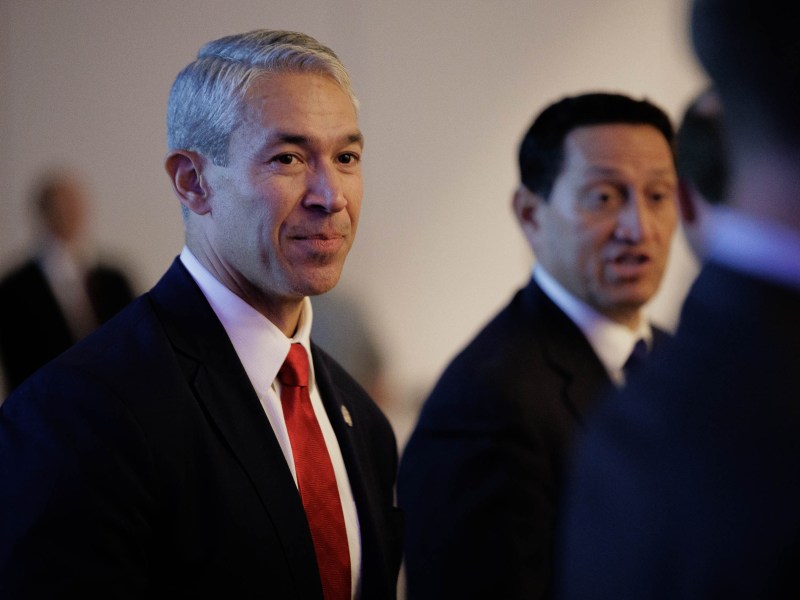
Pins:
x: 354, y: 193
x: 666, y: 232
x: 591, y: 243
x: 354, y: 212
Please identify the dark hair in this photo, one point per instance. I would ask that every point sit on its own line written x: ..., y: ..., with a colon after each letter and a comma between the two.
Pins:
x: 541, y: 152
x: 700, y: 148
x: 751, y: 51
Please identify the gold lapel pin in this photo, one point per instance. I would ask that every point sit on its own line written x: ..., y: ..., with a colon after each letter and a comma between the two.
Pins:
x: 346, y: 415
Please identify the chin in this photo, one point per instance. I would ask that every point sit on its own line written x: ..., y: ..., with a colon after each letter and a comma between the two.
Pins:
x: 627, y: 301
x: 320, y: 284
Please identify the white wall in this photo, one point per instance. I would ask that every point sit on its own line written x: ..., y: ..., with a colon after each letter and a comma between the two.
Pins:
x: 447, y: 87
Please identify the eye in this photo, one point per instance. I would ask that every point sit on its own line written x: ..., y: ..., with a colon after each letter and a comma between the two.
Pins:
x: 661, y: 194
x: 348, y: 158
x: 285, y: 159
x: 602, y: 198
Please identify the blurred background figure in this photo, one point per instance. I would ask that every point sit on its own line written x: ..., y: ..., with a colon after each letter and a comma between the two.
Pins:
x: 62, y: 291
x: 480, y: 479
x: 343, y: 328
x: 702, y: 165
x: 686, y: 483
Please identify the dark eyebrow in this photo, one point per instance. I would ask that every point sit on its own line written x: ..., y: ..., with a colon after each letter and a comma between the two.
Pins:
x: 355, y: 138
x: 301, y: 140
x: 613, y: 172
x: 291, y: 138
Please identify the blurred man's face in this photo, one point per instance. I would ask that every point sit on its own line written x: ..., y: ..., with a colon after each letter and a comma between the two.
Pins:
x: 605, y: 231
x: 65, y: 211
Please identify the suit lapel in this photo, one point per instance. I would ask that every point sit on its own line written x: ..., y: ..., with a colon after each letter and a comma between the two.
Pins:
x: 349, y: 433
x: 568, y: 352
x: 220, y: 384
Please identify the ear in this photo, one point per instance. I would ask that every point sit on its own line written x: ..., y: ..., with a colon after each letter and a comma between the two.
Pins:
x: 185, y: 169
x: 525, y: 205
x: 687, y: 201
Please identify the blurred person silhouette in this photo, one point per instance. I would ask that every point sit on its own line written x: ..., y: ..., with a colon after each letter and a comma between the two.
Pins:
x: 702, y: 165
x: 65, y: 290
x: 342, y: 326
x: 687, y: 483
x: 200, y: 444
x: 481, y: 476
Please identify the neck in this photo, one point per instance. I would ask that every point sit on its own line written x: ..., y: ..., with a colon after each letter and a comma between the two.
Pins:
x: 630, y: 318
x: 284, y: 312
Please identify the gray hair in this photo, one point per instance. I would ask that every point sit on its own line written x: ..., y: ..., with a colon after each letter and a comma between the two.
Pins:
x: 207, y: 96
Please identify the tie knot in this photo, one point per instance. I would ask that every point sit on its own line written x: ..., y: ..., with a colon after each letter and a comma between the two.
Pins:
x: 294, y: 370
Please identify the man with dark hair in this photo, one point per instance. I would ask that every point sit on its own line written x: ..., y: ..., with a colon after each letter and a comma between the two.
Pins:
x: 480, y: 479
x: 687, y: 482
x: 200, y: 445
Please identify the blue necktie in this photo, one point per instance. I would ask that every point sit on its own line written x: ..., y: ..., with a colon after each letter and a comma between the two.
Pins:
x: 638, y: 354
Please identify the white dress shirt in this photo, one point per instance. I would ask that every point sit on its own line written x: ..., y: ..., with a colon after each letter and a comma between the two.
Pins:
x: 262, y: 348
x: 612, y: 342
x: 66, y: 273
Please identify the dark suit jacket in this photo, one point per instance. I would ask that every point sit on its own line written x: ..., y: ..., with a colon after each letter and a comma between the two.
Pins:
x: 140, y: 464
x: 687, y: 484
x: 481, y: 475
x: 33, y: 328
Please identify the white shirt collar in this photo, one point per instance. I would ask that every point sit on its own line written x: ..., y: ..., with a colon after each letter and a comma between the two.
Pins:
x: 61, y: 262
x: 612, y: 342
x: 763, y: 248
x: 261, y: 346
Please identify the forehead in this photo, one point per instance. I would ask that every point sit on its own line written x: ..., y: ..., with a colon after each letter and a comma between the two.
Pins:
x: 618, y: 147
x: 297, y: 98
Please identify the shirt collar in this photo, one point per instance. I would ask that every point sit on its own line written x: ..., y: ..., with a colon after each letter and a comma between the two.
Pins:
x: 612, y: 342
x: 261, y: 346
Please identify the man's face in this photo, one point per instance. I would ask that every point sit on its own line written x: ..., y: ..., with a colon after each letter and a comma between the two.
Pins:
x: 284, y: 211
x: 606, y: 229
x: 66, y: 212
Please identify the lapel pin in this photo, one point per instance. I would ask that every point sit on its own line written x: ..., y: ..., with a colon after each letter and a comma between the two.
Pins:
x: 346, y: 416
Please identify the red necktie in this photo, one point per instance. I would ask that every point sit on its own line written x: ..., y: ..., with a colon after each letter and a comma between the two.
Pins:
x: 315, y: 477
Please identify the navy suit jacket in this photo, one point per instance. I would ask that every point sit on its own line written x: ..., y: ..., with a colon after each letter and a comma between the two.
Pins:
x: 481, y: 475
x: 687, y: 483
x: 33, y: 328
x: 140, y: 464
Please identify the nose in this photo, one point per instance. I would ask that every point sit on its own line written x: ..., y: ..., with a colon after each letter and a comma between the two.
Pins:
x: 325, y: 189
x: 633, y: 221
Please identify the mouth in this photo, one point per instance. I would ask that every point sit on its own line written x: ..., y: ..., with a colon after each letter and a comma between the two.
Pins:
x: 629, y: 265
x: 320, y: 243
x: 631, y: 259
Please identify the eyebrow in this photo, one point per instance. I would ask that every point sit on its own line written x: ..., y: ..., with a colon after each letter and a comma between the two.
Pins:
x: 302, y: 140
x: 612, y: 172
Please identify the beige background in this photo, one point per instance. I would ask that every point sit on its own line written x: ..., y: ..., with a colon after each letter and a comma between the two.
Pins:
x: 447, y: 87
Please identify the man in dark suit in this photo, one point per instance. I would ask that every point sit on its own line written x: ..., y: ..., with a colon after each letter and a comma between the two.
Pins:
x: 687, y: 485
x: 55, y: 298
x: 161, y: 456
x: 480, y: 479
